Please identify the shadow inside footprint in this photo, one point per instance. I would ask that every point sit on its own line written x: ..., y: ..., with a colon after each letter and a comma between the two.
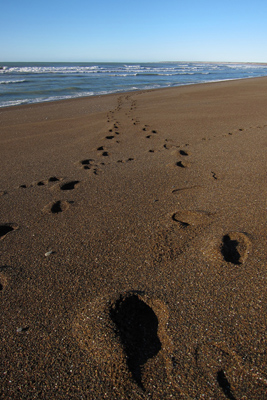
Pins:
x: 182, y: 164
x: 59, y: 207
x: 6, y: 228
x: 224, y: 384
x: 137, y: 326
x: 69, y: 185
x: 53, y: 179
x: 184, y: 153
x: 229, y: 250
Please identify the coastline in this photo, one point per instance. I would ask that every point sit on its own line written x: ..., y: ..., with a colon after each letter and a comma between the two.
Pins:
x: 29, y: 83
x: 150, y: 203
x: 130, y: 92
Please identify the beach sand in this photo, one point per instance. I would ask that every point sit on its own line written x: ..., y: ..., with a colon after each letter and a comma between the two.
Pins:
x: 133, y: 245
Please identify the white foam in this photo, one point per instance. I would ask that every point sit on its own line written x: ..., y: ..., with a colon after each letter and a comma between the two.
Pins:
x: 105, y: 78
x: 12, y: 81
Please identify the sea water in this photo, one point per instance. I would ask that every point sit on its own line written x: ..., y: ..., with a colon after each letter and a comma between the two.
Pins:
x: 25, y: 83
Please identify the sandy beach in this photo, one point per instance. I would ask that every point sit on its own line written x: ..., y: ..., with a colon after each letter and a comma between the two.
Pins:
x: 133, y: 245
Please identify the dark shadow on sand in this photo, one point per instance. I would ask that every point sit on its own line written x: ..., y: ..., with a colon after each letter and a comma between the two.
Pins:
x: 137, y: 326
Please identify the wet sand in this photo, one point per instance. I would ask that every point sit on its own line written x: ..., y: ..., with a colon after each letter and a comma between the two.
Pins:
x: 133, y: 245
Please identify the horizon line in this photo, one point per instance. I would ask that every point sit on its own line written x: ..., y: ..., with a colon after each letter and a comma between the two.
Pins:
x: 141, y: 62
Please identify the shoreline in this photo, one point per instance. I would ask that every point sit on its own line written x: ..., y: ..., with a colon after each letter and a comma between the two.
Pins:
x: 135, y: 215
x: 129, y: 92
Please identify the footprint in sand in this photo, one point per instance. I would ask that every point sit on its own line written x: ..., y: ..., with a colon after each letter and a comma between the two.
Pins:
x: 183, y: 164
x: 5, y: 229
x: 190, y: 218
x: 136, y: 325
x: 170, y: 243
x: 70, y: 185
x: 127, y: 337
x: 104, y: 152
x: 87, y: 163
x: 184, y: 153
x: 235, y: 247
x: 57, y: 207
x: 227, y: 373
x: 145, y: 128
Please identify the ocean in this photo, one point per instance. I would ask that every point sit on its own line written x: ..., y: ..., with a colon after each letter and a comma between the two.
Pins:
x: 26, y: 83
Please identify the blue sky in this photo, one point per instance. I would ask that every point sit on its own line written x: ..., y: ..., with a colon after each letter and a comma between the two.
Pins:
x: 141, y: 30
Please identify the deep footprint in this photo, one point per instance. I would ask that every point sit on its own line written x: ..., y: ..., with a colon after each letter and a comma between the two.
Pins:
x: 235, y: 247
x: 184, y: 153
x: 137, y: 328
x: 59, y: 206
x: 6, y: 228
x: 225, y: 385
x: 69, y: 185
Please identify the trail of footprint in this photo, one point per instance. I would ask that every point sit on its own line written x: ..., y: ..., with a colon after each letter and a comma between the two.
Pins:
x: 52, y: 179
x: 89, y: 164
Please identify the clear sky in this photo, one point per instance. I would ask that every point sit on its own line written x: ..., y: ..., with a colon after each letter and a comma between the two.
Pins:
x: 140, y: 30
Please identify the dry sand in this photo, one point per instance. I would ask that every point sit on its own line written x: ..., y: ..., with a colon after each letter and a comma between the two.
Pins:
x: 133, y: 245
